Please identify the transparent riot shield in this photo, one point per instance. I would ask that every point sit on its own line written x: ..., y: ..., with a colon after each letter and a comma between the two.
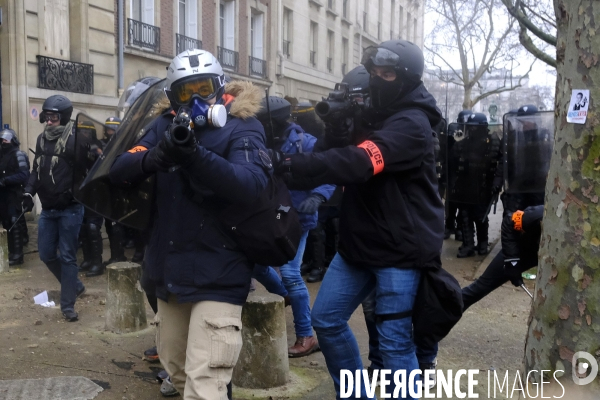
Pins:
x: 131, y: 206
x: 472, y: 162
x: 528, y: 147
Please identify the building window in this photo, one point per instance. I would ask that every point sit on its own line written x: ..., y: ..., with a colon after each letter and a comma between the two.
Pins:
x: 256, y: 35
x: 287, y: 31
x: 331, y: 4
x: 188, y: 18
x: 408, y: 27
x: 143, y: 10
x: 314, y: 37
x: 345, y: 10
x: 56, y: 28
x: 365, y: 16
x: 401, y: 22
x: 331, y: 50
x: 227, y: 24
x: 344, y: 56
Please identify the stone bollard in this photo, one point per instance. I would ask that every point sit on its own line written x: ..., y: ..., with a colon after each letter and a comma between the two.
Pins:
x: 3, y: 250
x: 125, y: 307
x: 263, y: 361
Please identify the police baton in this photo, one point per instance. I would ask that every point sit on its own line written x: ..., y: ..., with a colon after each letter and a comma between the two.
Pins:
x: 16, y: 221
x: 526, y: 291
x: 493, y: 202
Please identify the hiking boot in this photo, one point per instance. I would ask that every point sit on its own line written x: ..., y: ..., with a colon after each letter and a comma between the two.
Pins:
x: 304, y: 346
x: 465, y: 251
x: 482, y: 248
x: 428, y: 367
x: 151, y: 355
x: 96, y: 270
x: 113, y: 260
x: 70, y: 315
x: 167, y: 389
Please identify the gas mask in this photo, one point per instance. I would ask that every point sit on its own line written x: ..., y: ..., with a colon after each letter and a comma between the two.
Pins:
x: 204, y: 114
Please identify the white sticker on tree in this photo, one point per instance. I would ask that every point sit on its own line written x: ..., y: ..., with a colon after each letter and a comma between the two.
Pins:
x: 578, y: 107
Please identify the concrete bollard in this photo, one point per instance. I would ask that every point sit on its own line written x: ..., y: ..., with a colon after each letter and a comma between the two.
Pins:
x: 263, y: 361
x: 3, y: 251
x: 125, y: 307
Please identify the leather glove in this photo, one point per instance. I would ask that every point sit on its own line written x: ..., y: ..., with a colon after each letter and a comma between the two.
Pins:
x: 180, y: 152
x: 513, y: 270
x: 155, y: 160
x: 311, y: 204
x: 27, y: 202
x: 339, y: 135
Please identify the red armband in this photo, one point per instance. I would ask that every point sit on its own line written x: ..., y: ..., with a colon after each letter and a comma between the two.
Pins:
x: 374, y: 155
x: 517, y: 219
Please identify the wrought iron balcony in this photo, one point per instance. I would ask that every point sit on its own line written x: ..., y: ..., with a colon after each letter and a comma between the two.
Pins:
x: 144, y: 35
x: 329, y: 64
x: 258, y: 67
x: 286, y: 48
x: 69, y: 76
x: 313, y: 58
x: 186, y: 43
x: 228, y: 58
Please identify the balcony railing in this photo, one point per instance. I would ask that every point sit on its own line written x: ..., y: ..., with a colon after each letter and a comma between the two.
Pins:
x: 144, y: 35
x: 286, y: 48
x: 258, y: 67
x: 329, y: 64
x: 228, y: 58
x: 69, y: 76
x: 184, y: 43
x: 313, y: 58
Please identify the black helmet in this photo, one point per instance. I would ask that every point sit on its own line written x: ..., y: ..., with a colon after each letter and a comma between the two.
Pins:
x: 113, y: 122
x: 463, y: 115
x: 10, y: 135
x: 476, y: 119
x: 406, y: 58
x: 357, y: 80
x: 527, y: 109
x: 87, y: 127
x: 58, y: 104
x: 280, y: 109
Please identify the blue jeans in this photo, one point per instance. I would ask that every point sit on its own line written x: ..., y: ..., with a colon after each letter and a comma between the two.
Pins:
x: 344, y: 287
x: 424, y: 355
x: 59, y: 230
x: 269, y: 279
x: 299, y: 297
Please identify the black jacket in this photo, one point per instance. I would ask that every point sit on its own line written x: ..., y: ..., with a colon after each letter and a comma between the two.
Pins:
x: 190, y: 254
x: 14, y: 171
x: 391, y: 212
x: 55, y: 191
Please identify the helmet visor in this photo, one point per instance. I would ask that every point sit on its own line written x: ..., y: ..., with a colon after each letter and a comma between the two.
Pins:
x: 203, y: 87
x: 381, y: 57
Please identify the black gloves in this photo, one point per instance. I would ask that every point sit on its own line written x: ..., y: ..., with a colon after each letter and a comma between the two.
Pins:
x: 513, y: 270
x: 180, y: 151
x: 281, y: 163
x: 155, y: 160
x: 339, y: 135
x: 311, y: 204
x: 27, y: 202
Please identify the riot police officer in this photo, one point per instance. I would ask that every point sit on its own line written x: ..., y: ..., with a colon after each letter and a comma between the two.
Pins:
x: 14, y: 173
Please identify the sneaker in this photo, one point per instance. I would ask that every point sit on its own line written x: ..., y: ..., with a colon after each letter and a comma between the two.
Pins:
x: 167, y: 389
x: 428, y: 367
x: 151, y: 355
x: 70, y: 315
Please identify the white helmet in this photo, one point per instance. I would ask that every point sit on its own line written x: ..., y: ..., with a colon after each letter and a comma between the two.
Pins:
x: 194, y: 73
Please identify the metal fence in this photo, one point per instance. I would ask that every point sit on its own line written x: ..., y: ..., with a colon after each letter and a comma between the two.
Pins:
x: 144, y: 35
x: 69, y: 76
x: 184, y: 43
x: 228, y: 58
x: 258, y: 67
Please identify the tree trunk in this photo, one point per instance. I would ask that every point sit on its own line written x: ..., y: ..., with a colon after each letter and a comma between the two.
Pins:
x: 565, y: 314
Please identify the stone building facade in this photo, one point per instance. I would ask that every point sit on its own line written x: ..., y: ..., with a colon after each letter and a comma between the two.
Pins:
x: 297, y: 48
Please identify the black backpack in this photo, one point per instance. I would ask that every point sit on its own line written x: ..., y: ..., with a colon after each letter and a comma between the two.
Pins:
x: 268, y: 231
x: 438, y: 307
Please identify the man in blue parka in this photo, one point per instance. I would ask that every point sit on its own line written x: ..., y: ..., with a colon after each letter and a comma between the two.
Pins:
x: 290, y: 138
x: 202, y: 277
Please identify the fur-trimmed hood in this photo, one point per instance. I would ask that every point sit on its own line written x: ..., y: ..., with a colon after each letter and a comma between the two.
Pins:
x: 245, y: 104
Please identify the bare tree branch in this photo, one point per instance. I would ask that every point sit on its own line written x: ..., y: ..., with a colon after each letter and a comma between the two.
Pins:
x: 523, y: 19
x: 526, y: 41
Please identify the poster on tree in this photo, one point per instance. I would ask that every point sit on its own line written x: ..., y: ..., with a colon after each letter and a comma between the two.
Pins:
x: 578, y: 106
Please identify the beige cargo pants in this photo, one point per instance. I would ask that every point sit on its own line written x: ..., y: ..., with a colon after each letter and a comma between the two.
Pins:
x: 199, y: 344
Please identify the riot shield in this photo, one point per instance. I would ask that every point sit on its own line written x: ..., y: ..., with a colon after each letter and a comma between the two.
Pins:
x: 441, y: 133
x: 472, y: 162
x: 528, y: 146
x: 131, y: 206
